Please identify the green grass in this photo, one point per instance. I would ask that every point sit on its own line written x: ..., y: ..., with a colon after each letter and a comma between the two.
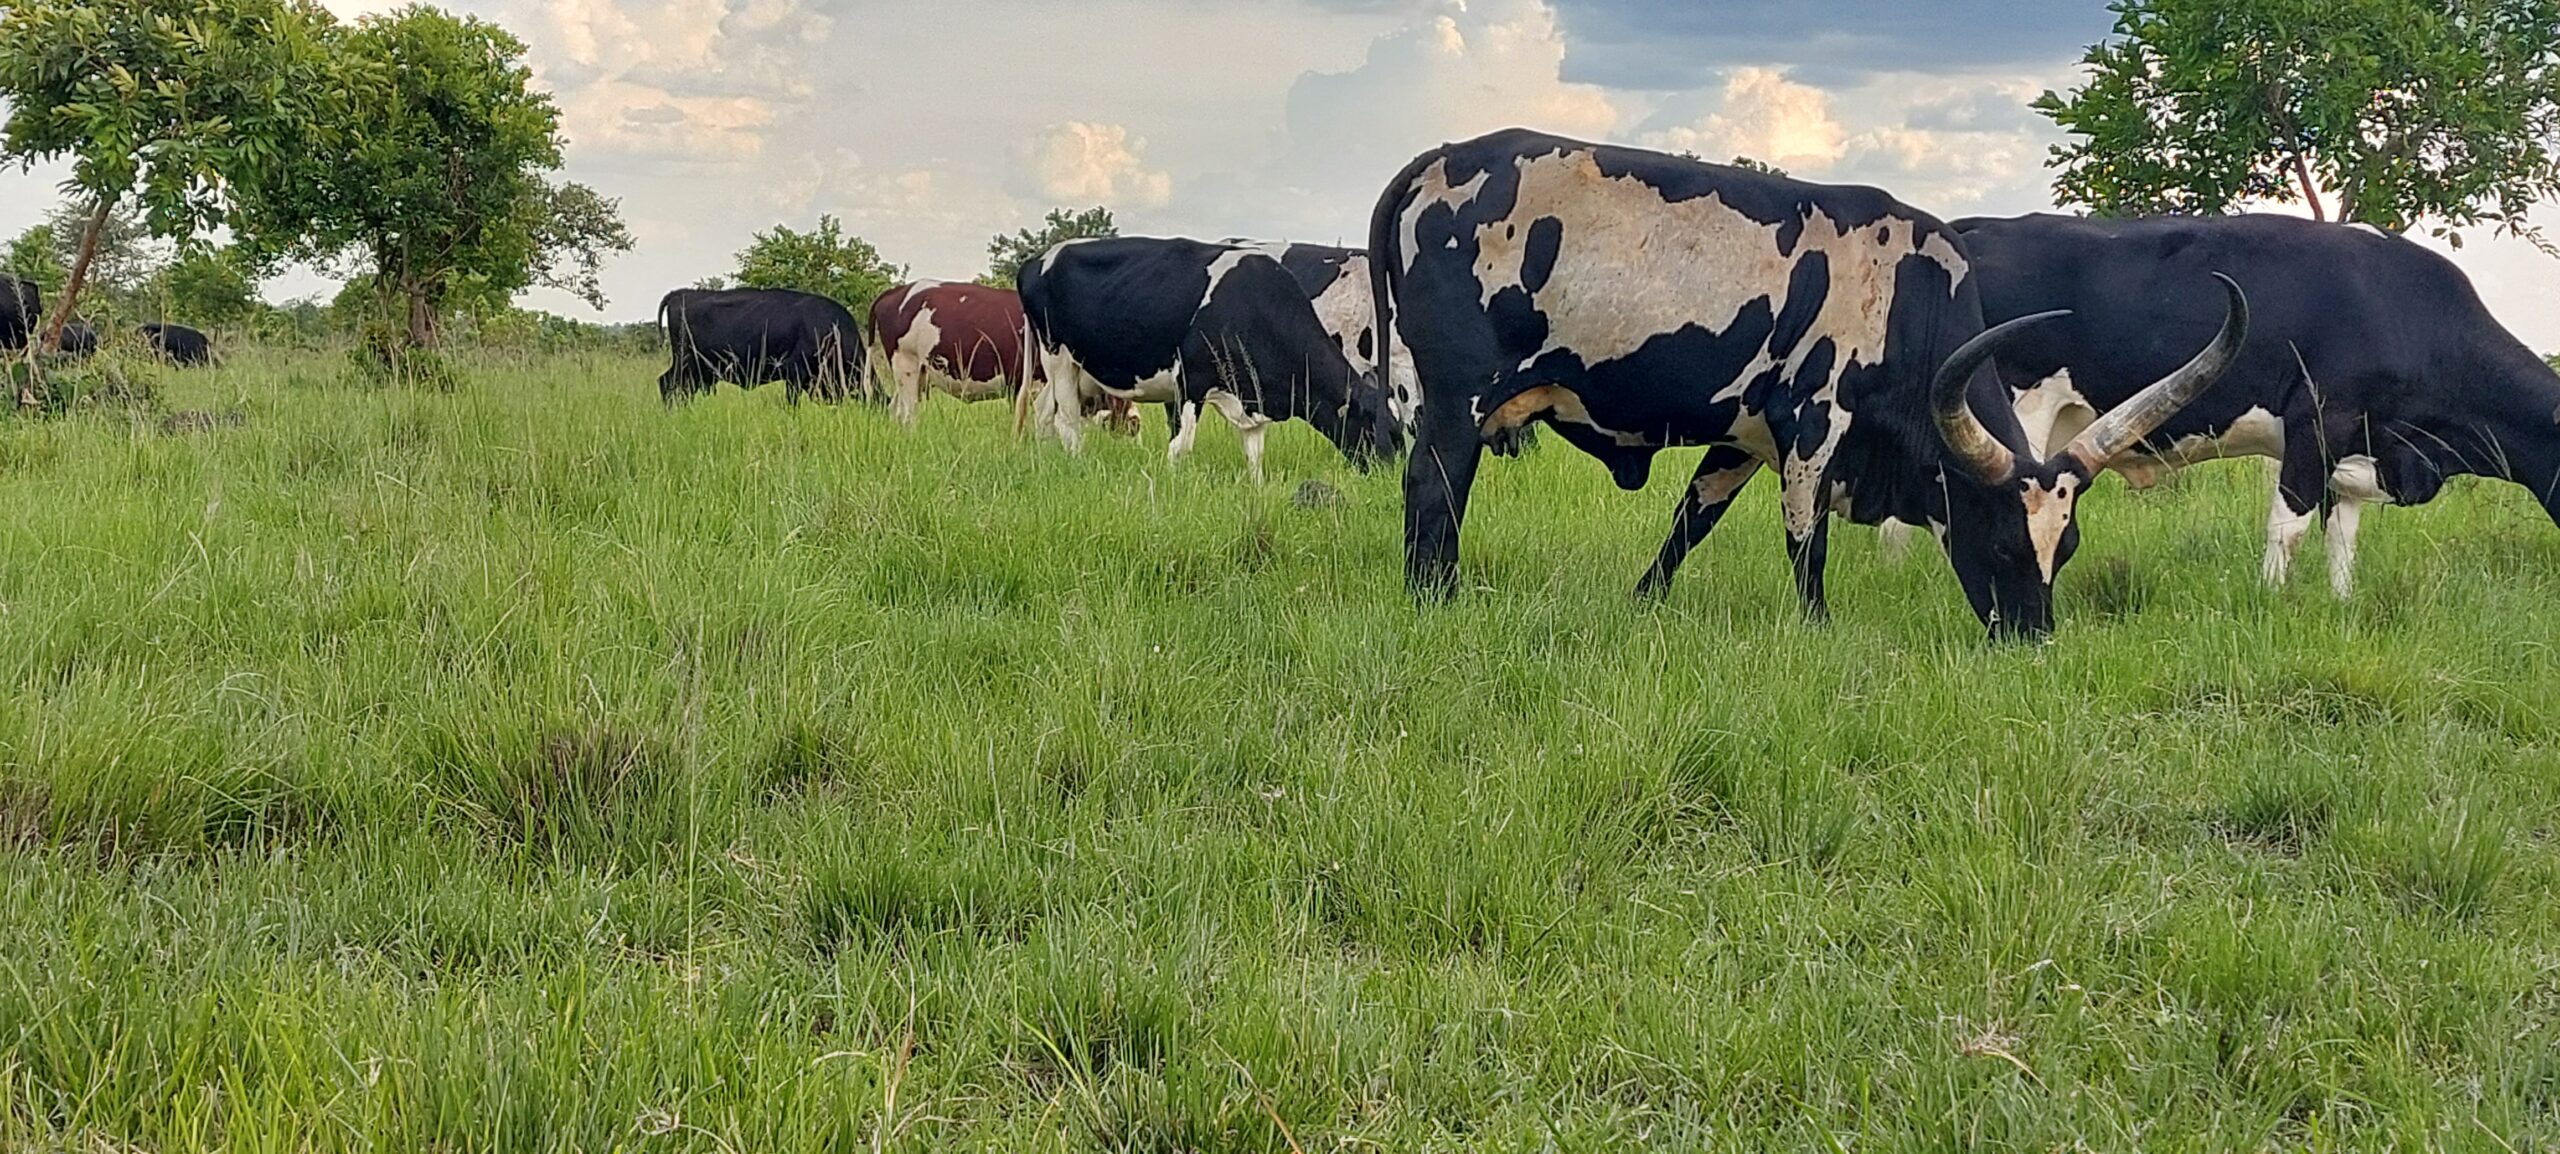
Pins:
x: 525, y: 767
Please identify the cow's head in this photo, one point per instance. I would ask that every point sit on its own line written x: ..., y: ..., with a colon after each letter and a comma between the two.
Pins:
x: 1372, y: 421
x: 2011, y: 518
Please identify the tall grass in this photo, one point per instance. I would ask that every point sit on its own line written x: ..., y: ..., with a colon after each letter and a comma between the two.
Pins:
x: 529, y: 767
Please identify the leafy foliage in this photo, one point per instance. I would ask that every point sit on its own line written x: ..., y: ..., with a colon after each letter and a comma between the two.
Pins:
x: 2404, y: 111
x: 170, y: 102
x: 204, y: 287
x: 578, y: 229
x: 1006, y: 254
x: 823, y: 261
x: 35, y: 255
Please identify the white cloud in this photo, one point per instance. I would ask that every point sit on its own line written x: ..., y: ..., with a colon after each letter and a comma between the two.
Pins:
x: 1766, y: 117
x: 1465, y: 69
x: 1094, y: 164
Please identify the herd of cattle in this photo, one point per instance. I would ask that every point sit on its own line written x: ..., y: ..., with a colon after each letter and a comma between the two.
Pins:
x: 22, y: 316
x: 1973, y: 377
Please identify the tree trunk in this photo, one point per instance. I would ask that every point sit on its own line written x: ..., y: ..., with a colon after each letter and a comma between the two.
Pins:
x: 422, y: 316
x: 2310, y: 189
x: 79, y: 278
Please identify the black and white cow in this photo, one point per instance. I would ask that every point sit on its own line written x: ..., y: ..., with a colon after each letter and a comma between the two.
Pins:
x: 179, y: 344
x: 1200, y: 326
x: 750, y: 336
x: 1635, y: 302
x: 2372, y: 371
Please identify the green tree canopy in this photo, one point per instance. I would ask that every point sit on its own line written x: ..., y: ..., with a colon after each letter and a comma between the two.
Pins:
x: 2387, y: 112
x: 35, y: 255
x: 823, y: 261
x: 204, y: 286
x: 428, y: 167
x: 1006, y: 254
x: 169, y: 102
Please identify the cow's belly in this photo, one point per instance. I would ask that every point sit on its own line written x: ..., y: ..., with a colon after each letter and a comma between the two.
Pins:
x: 2256, y: 433
x: 1162, y: 388
x: 968, y: 389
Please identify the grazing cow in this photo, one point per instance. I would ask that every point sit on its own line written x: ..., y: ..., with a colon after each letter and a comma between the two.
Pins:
x: 750, y: 336
x: 2372, y: 371
x: 965, y: 339
x: 1635, y: 301
x: 1199, y: 325
x: 179, y: 344
x: 79, y: 341
x: 21, y: 310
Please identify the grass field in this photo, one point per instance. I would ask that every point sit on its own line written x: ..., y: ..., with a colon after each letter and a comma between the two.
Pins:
x: 529, y: 768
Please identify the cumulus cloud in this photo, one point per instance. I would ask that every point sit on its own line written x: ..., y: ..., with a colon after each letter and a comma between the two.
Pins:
x: 1467, y: 67
x: 1767, y: 117
x: 699, y: 80
x: 1094, y: 164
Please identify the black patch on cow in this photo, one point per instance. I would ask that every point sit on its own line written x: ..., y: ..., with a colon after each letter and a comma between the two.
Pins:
x: 1807, y: 290
x: 1538, y: 260
x: 1790, y: 233
x: 1518, y: 326
x: 1369, y: 344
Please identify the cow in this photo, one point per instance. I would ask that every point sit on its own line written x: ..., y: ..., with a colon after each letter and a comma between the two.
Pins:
x: 1634, y: 302
x: 750, y: 336
x: 2373, y: 373
x: 967, y: 340
x: 178, y: 344
x: 1336, y: 281
x: 78, y: 341
x: 21, y: 311
x: 1199, y: 325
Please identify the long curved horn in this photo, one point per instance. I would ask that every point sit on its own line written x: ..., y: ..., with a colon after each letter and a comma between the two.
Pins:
x: 1972, y: 444
x: 2130, y: 422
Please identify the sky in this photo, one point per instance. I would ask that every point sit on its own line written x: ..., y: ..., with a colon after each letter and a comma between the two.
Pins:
x: 930, y: 125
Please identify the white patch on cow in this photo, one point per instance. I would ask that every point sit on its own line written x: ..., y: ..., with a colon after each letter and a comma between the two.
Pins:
x: 2054, y: 413
x: 1435, y: 189
x: 908, y: 363
x: 1063, y: 401
x: 2285, y: 531
x: 2048, y: 518
x: 1718, y: 488
x: 2257, y: 433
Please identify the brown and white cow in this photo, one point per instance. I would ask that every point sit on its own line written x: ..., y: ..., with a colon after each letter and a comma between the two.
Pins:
x: 963, y: 339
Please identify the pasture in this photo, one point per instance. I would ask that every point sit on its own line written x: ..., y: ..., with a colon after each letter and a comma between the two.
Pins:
x: 526, y: 767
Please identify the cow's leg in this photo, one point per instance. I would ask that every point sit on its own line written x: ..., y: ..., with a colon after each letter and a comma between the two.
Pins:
x: 2300, y: 483
x: 1437, y: 479
x: 1721, y: 478
x: 1173, y: 418
x: 2355, y: 483
x: 1186, y: 433
x: 1811, y: 554
x: 1061, y: 405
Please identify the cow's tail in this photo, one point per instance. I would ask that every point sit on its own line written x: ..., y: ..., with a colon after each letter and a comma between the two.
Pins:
x: 1386, y: 262
x: 1022, y: 393
x: 1028, y: 289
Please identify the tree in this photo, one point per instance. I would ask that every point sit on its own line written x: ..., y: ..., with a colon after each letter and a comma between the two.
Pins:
x: 823, y: 261
x: 35, y: 255
x: 1007, y: 254
x: 205, y: 286
x: 428, y: 168
x: 167, y: 102
x: 2385, y: 112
